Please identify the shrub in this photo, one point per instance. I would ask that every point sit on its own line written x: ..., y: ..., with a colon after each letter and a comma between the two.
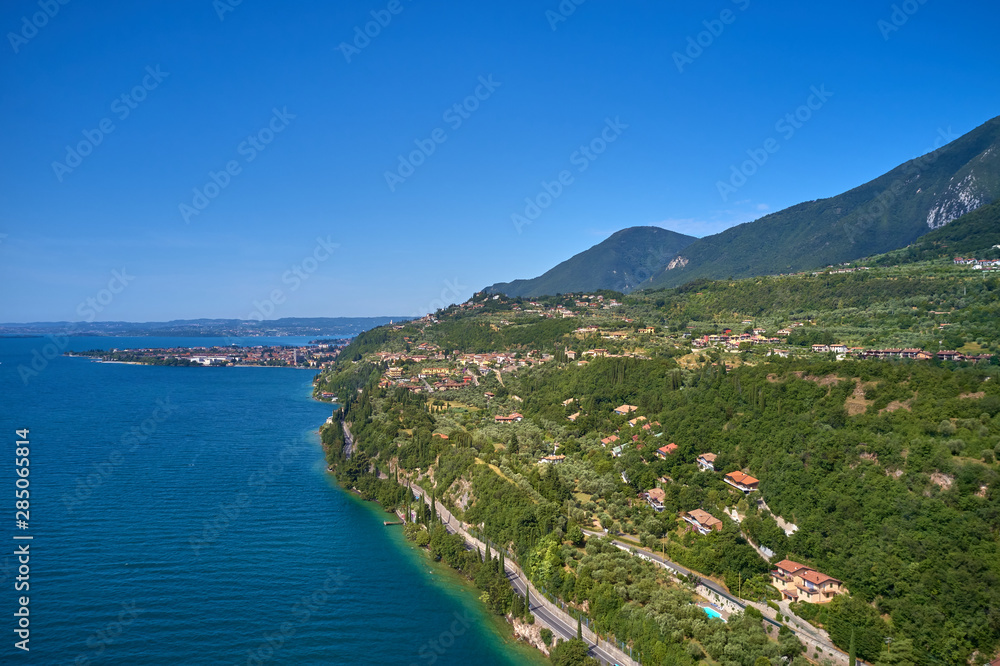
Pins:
x: 546, y: 634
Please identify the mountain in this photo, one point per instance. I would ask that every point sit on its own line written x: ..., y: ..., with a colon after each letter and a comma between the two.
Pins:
x: 884, y: 214
x: 621, y: 263
x: 976, y: 235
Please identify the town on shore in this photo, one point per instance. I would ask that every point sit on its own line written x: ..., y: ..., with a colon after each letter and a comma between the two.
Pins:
x: 317, y: 356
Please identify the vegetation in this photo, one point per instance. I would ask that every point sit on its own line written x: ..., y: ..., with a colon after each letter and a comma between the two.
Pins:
x: 880, y: 473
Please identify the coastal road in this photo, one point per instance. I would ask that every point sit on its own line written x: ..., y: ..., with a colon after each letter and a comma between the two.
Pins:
x: 348, y: 441
x: 803, y: 633
x: 546, y: 613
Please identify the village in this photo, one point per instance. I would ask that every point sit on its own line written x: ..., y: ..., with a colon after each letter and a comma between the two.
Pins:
x: 317, y: 356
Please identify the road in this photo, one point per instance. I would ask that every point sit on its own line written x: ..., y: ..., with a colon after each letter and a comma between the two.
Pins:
x: 546, y: 613
x: 801, y: 632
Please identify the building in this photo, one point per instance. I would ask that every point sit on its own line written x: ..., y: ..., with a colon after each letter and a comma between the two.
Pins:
x: 609, y: 440
x: 552, y: 460
x: 573, y: 417
x: 508, y: 419
x: 797, y: 582
x: 667, y: 450
x: 703, y: 521
x: 655, y: 497
x: 741, y: 481
x: 625, y: 410
x: 706, y: 462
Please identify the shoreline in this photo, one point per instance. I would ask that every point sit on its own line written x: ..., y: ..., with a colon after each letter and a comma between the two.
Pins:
x: 560, y: 623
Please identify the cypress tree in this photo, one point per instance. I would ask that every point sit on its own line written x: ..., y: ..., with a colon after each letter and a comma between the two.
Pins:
x: 579, y: 628
x: 527, y: 601
x: 852, y: 659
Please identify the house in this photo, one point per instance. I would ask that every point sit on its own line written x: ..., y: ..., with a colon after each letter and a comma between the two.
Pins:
x: 648, y: 330
x: 625, y: 410
x: 706, y: 462
x: 508, y: 419
x: 783, y: 353
x: 437, y: 434
x: 573, y: 417
x: 489, y: 394
x: 395, y: 373
x: 797, y: 582
x: 655, y: 497
x: 618, y: 451
x: 821, y: 349
x: 552, y: 460
x: 839, y: 349
x: 667, y: 450
x: 570, y: 354
x: 636, y: 421
x: 742, y: 481
x: 609, y: 440
x: 703, y: 521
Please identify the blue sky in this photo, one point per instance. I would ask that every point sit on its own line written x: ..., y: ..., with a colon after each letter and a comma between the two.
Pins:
x: 309, y: 128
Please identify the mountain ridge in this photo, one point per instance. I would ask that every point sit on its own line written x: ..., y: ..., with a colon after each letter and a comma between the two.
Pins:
x: 882, y: 215
x: 621, y: 262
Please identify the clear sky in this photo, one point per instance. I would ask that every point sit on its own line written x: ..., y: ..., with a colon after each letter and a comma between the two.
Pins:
x: 213, y: 152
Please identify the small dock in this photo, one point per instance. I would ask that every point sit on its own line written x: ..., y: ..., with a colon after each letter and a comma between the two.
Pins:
x: 392, y: 522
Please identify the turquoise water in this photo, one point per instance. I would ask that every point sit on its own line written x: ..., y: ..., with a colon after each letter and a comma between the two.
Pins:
x: 711, y: 612
x: 184, y: 516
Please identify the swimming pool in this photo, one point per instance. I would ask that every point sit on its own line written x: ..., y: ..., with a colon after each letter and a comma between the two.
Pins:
x: 711, y: 612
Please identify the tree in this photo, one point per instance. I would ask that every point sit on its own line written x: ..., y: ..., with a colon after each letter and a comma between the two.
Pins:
x: 579, y: 628
x: 852, y: 658
x: 572, y: 653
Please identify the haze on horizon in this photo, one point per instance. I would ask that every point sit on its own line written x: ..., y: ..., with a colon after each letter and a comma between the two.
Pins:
x: 202, y: 158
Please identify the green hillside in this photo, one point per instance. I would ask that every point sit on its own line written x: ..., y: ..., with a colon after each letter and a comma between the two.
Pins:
x: 974, y: 235
x: 885, y: 214
x: 887, y: 468
x: 621, y: 263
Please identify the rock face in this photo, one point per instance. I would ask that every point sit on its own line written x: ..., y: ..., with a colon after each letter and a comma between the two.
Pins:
x: 960, y: 198
x: 531, y: 634
x: 677, y: 262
